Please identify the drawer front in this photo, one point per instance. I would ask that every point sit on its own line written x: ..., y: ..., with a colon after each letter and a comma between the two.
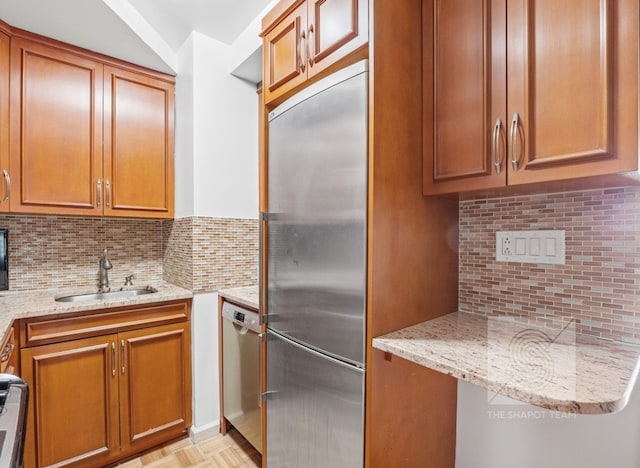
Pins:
x: 45, y: 330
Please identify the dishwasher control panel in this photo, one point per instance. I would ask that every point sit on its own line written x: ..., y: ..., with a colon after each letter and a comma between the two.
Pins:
x: 240, y: 316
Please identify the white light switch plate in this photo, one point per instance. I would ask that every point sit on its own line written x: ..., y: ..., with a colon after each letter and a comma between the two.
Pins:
x: 531, y: 246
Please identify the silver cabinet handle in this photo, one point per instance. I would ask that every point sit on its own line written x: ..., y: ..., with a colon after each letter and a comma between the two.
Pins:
x: 99, y: 193
x: 310, y: 46
x: 107, y: 186
x: 6, y: 353
x: 497, y: 157
x: 122, y: 354
x: 7, y: 186
x: 514, y: 141
x: 300, y: 47
x: 113, y: 359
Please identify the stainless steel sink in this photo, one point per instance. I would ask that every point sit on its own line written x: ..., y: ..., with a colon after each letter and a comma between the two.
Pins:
x: 105, y: 295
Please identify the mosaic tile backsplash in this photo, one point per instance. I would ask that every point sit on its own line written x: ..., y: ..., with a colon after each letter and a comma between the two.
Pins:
x: 59, y: 252
x: 600, y: 283
x: 207, y: 254
x: 196, y: 253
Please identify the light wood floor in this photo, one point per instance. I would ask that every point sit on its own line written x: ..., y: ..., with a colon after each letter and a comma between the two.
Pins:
x: 228, y: 451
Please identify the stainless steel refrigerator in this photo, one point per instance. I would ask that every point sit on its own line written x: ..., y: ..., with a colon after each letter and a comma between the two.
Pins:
x: 316, y: 274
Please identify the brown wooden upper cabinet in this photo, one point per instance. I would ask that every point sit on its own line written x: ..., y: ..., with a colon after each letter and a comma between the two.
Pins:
x: 5, y: 182
x: 302, y: 38
x: 88, y: 138
x: 526, y: 91
x: 138, y: 144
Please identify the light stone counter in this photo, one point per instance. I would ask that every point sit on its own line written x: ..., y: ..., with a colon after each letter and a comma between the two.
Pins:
x: 552, y: 368
x: 23, y: 304
x: 246, y: 296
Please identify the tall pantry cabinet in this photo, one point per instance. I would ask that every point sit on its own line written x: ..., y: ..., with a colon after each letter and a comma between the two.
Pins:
x: 411, y: 239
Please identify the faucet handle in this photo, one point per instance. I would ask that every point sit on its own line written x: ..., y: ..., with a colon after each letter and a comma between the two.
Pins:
x: 128, y: 280
x: 105, y: 262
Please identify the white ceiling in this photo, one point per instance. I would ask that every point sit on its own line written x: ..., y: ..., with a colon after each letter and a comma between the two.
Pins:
x: 94, y: 25
x: 223, y: 20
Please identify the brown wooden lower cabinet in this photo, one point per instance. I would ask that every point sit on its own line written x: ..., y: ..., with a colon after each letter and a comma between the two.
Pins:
x: 100, y: 399
x: 413, y: 414
x: 155, y: 385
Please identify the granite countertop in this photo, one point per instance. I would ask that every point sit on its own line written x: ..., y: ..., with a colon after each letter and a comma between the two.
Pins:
x: 556, y: 369
x: 247, y: 296
x: 24, y: 304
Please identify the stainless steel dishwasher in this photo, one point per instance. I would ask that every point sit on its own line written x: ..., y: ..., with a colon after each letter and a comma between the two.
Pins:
x: 241, y: 372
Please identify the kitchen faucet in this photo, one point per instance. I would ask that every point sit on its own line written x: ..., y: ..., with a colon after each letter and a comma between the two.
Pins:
x: 103, y: 276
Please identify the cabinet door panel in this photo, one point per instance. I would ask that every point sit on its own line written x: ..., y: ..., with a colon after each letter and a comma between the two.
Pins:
x: 283, y: 54
x: 403, y: 382
x: 564, y: 60
x: 139, y: 150
x: 336, y: 28
x: 4, y: 121
x: 155, y: 385
x: 56, y: 130
x: 73, y: 409
x: 464, y: 95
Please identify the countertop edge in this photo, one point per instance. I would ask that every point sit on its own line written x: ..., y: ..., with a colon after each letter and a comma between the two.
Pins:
x: 246, y: 296
x: 20, y: 305
x: 453, y: 367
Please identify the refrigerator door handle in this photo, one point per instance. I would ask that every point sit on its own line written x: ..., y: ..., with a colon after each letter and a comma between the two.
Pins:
x: 267, y: 395
x: 262, y: 291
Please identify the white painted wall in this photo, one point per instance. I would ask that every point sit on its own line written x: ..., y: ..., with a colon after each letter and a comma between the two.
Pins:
x: 516, y: 435
x: 216, y: 133
x: 204, y: 346
x: 249, y: 40
x: 184, y: 132
x: 225, y: 123
x: 217, y: 176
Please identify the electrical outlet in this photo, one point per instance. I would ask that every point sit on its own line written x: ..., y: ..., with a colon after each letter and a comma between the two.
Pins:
x: 507, y: 247
x: 531, y: 246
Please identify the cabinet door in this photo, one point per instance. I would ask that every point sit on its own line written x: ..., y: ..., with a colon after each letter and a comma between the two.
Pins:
x: 4, y: 122
x: 284, y: 54
x: 573, y: 84
x: 427, y: 419
x: 464, y: 95
x: 56, y: 130
x: 335, y: 29
x: 155, y: 385
x: 138, y: 145
x: 73, y: 406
